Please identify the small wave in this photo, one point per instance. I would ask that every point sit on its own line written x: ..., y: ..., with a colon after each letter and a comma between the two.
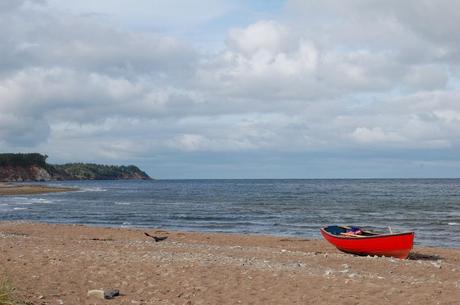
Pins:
x: 34, y: 201
x: 93, y: 189
x: 19, y: 209
x: 122, y: 203
x: 453, y: 223
x: 19, y: 198
x: 41, y: 200
x: 126, y: 224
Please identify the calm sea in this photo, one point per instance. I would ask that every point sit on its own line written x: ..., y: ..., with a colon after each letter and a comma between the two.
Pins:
x: 430, y: 207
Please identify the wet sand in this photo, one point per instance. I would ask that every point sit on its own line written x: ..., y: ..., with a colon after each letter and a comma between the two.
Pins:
x: 58, y: 264
x: 28, y: 189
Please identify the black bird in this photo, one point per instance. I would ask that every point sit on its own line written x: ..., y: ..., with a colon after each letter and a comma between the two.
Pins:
x: 156, y: 238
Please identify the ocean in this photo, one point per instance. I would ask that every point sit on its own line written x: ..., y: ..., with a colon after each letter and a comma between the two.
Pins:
x: 430, y: 207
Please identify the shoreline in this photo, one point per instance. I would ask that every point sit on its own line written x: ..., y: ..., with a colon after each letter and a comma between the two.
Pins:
x: 58, y: 264
x: 13, y: 188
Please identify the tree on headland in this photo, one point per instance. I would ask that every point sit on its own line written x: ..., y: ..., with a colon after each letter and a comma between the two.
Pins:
x: 23, y: 159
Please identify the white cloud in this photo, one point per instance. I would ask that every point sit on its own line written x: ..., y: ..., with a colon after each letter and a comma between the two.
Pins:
x: 262, y: 61
x: 375, y: 135
x: 266, y: 36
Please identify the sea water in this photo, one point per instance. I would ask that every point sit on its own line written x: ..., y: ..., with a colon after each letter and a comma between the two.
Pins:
x: 430, y: 207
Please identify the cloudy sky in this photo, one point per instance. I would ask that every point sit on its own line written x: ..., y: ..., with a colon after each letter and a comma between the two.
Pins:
x: 235, y: 88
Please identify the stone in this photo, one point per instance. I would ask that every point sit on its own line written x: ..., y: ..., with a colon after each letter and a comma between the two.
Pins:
x: 111, y: 293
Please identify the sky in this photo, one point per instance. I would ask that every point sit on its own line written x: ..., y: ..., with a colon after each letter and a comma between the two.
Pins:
x: 235, y: 89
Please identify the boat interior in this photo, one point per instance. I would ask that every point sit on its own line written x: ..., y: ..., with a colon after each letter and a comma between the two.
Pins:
x: 349, y: 231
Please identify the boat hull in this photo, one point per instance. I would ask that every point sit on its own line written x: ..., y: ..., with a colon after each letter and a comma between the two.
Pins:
x: 396, y: 245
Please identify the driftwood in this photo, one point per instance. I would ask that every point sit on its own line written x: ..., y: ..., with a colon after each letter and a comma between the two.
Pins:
x: 156, y: 238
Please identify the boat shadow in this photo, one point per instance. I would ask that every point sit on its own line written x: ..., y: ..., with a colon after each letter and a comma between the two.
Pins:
x: 423, y: 257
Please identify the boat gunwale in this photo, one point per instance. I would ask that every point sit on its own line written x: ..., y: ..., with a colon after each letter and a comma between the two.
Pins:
x: 362, y: 237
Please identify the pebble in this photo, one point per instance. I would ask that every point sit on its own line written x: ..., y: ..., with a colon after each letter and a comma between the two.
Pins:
x: 437, y: 264
x: 328, y: 272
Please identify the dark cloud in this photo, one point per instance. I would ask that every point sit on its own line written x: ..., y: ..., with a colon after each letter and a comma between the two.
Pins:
x: 7, y: 6
x: 23, y: 131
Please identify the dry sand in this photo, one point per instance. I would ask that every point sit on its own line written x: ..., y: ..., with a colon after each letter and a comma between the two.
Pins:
x: 27, y: 189
x: 58, y: 264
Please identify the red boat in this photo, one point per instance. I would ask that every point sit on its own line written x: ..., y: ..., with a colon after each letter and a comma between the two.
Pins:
x: 357, y: 241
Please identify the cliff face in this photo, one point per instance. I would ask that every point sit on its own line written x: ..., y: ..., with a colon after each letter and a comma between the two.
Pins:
x: 24, y: 173
x: 25, y: 167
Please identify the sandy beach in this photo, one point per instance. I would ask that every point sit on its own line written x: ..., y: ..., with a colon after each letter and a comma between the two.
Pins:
x: 28, y: 189
x: 58, y: 264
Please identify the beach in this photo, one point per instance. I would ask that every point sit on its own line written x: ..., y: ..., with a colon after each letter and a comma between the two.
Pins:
x: 29, y: 189
x: 59, y: 264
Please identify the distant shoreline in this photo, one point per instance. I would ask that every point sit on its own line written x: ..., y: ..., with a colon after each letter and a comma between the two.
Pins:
x: 8, y: 189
